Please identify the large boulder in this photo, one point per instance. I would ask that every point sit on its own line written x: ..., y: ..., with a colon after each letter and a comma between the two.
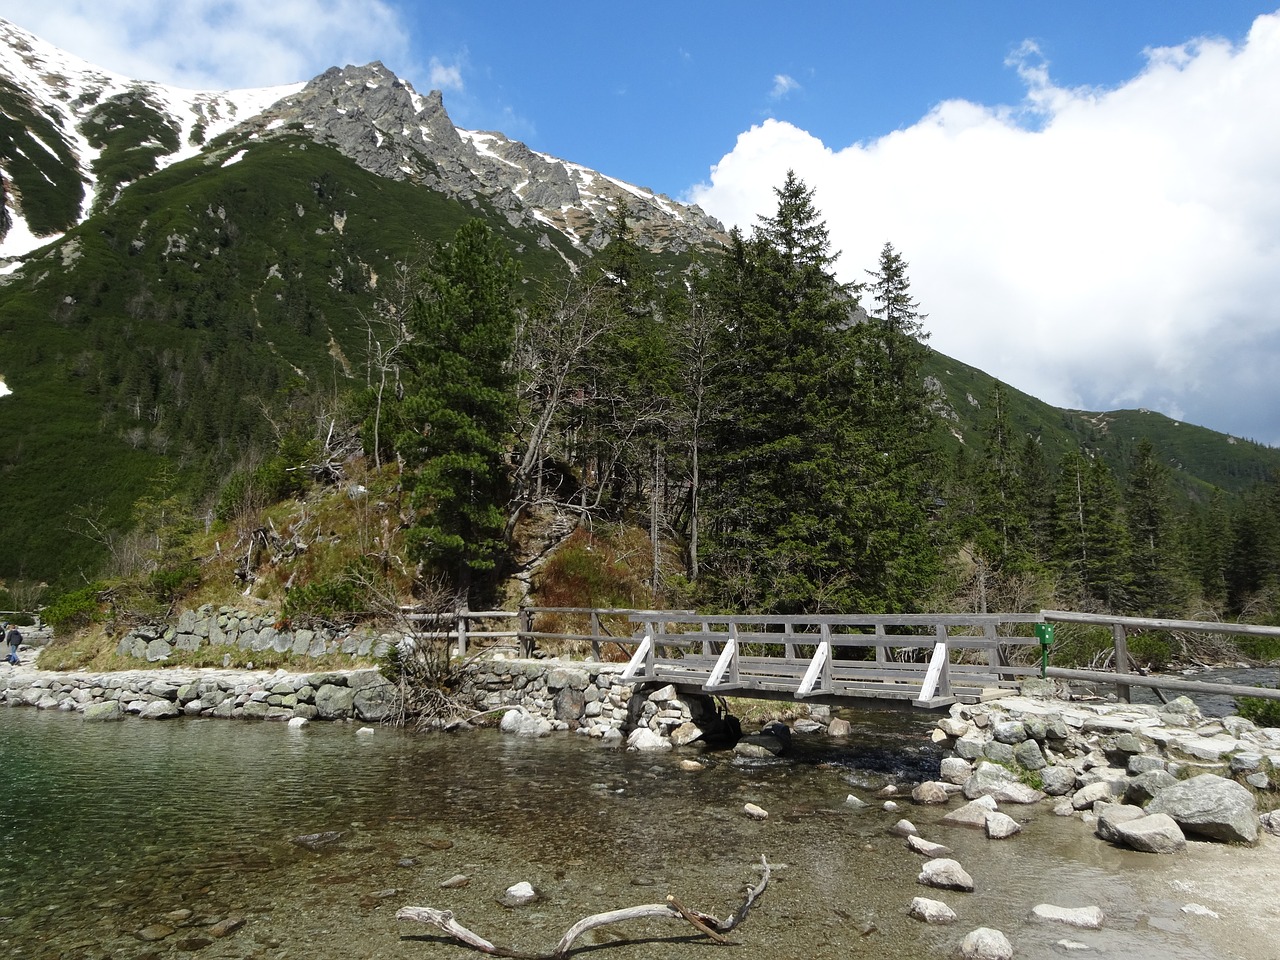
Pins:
x: 1210, y: 806
x: 105, y: 711
x: 1155, y: 833
x: 991, y: 780
x: 334, y: 702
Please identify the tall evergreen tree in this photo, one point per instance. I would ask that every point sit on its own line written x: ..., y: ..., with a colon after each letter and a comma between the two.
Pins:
x: 458, y: 407
x: 1090, y: 539
x: 1155, y: 558
x: 780, y: 531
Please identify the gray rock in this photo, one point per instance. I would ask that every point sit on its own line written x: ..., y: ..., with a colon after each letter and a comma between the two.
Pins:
x: 160, y: 710
x: 1029, y: 755
x: 518, y: 895
x: 759, y: 746
x: 103, y: 712
x: 929, y: 792
x: 1210, y: 806
x: 1084, y: 918
x: 955, y: 770
x: 972, y: 814
x: 904, y: 828
x: 930, y: 911
x: 1156, y: 833
x: 1111, y: 816
x: 644, y: 740
x: 969, y: 748
x: 1144, y: 763
x: 999, y: 753
x: 686, y: 734
x: 839, y: 728
x: 374, y: 702
x: 946, y: 874
x: 1001, y: 826
x: 1058, y: 781
x: 1010, y: 731
x: 953, y: 726
x: 1086, y: 797
x: 998, y: 783
x: 986, y: 943
x: 334, y: 702
x: 1146, y: 786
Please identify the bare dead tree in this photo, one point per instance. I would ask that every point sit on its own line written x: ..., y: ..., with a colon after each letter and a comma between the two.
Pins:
x: 671, y: 909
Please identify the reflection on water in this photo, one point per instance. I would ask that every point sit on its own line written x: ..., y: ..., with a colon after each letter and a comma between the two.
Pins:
x: 134, y: 839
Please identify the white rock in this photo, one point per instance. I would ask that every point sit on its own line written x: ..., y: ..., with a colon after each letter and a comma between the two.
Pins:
x: 297, y: 723
x: 946, y: 874
x: 365, y: 732
x: 986, y: 944
x: 1199, y: 910
x: 755, y: 812
x: 644, y: 740
x: 918, y: 844
x: 904, y: 828
x: 518, y: 895
x: 931, y: 911
x: 1085, y: 918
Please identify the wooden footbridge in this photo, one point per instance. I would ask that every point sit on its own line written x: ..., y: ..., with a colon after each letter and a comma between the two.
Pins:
x: 924, y: 660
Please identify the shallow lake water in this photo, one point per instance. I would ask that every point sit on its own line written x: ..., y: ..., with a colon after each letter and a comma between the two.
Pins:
x: 110, y: 833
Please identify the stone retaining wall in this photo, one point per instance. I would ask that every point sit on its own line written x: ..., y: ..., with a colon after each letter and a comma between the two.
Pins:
x: 224, y: 626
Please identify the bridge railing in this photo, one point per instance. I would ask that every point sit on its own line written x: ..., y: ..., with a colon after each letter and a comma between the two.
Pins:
x: 928, y: 659
x: 1123, y: 672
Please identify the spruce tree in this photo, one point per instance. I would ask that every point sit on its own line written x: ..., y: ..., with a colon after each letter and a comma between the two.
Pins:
x: 1155, y: 557
x: 780, y: 531
x: 458, y: 407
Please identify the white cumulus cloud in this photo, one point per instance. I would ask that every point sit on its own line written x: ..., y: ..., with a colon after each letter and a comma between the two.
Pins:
x: 1098, y: 248
x: 218, y: 44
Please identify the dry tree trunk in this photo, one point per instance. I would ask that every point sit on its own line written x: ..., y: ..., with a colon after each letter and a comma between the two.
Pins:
x: 672, y: 909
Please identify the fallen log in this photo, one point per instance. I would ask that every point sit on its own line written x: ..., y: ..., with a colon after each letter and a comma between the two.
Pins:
x: 706, y: 924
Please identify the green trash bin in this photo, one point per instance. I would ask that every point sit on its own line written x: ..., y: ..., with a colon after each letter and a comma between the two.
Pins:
x: 1044, y: 633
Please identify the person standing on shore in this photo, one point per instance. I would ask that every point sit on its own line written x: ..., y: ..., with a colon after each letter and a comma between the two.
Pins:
x: 14, y: 639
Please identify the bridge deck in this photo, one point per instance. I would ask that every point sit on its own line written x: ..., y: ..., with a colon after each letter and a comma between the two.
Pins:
x: 830, y: 659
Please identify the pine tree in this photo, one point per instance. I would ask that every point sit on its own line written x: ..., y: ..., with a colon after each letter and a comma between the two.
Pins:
x: 458, y: 407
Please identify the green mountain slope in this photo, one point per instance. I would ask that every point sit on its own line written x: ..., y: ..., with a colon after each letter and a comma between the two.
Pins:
x: 159, y: 328
x: 1197, y: 457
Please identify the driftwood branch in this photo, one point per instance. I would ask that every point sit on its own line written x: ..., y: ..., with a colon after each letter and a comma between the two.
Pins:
x: 706, y: 924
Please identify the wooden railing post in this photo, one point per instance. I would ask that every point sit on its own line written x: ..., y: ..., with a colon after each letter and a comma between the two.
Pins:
x: 524, y: 642
x: 1123, y: 690
x: 462, y: 631
x: 595, y: 635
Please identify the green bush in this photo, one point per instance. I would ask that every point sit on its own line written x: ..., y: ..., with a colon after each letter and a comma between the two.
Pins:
x: 1262, y: 711
x: 71, y: 611
x: 1151, y: 650
x: 337, y: 600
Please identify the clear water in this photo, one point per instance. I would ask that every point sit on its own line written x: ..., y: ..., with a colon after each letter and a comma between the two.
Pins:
x: 111, y: 833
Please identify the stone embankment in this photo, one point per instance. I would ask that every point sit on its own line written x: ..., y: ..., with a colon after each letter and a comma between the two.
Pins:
x: 541, y: 696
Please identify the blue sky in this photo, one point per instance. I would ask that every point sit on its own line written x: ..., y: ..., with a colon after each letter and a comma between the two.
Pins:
x: 1088, y: 192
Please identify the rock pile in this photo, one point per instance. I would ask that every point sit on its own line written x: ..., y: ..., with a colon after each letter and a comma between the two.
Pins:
x: 1148, y: 776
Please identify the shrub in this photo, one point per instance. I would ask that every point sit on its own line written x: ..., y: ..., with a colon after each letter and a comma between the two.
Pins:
x: 1262, y: 711
x: 71, y: 611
